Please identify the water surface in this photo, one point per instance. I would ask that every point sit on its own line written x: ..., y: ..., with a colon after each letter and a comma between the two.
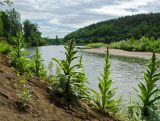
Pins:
x: 125, y: 72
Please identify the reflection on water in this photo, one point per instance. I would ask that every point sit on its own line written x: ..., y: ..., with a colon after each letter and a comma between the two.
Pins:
x: 125, y: 72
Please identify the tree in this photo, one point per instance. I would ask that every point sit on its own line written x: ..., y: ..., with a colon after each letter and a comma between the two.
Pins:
x: 15, y: 20
x: 6, y: 25
x: 31, y: 33
x: 1, y: 25
x: 8, y: 2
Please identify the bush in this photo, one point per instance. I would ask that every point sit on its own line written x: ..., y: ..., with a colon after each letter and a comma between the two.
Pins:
x: 143, y: 44
x: 5, y: 48
x: 95, y: 45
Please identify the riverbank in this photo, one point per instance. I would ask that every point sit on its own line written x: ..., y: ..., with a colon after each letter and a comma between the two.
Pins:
x: 41, y: 107
x: 122, y: 53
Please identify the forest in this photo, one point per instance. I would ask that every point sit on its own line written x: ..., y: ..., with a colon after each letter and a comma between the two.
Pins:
x: 10, y: 25
x: 118, y: 29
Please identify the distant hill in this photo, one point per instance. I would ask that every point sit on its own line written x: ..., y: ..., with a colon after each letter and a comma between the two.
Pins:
x: 118, y: 29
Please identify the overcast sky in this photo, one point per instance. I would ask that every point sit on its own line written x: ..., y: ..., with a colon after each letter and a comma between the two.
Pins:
x: 60, y: 17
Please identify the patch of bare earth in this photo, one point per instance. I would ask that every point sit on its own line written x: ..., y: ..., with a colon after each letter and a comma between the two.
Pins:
x: 40, y: 107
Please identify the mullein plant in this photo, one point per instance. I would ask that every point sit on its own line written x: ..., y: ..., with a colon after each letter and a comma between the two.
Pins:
x: 103, y: 99
x: 81, y: 80
x: 39, y: 69
x: 68, y: 82
x: 149, y: 88
x: 17, y: 57
x: 24, y: 93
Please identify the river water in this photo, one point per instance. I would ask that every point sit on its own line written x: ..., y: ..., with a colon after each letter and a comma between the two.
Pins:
x: 125, y: 72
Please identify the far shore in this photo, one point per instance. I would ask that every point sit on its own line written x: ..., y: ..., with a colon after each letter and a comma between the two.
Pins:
x: 122, y: 53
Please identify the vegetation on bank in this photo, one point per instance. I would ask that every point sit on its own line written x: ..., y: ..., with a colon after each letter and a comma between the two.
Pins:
x: 95, y: 45
x: 122, y: 28
x: 142, y: 45
x: 69, y: 83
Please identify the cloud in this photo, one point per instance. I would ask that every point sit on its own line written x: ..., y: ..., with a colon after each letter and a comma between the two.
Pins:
x: 60, y: 17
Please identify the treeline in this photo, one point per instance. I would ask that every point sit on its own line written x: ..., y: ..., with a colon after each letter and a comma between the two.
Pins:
x: 127, y: 27
x: 56, y: 41
x: 10, y: 25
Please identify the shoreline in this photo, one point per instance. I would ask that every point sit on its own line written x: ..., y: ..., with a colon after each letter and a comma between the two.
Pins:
x: 122, y: 53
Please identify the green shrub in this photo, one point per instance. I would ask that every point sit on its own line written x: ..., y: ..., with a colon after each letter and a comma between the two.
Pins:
x: 5, y: 48
x: 143, y: 44
x: 95, y: 45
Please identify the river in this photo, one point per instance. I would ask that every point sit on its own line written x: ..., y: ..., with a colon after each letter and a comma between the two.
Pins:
x: 125, y: 72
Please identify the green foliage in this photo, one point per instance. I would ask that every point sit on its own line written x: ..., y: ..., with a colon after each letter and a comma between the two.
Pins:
x: 10, y: 24
x: 57, y: 41
x: 32, y: 36
x: 95, y: 45
x: 39, y: 69
x: 103, y: 100
x: 17, y: 57
x: 8, y: 2
x: 5, y: 48
x: 71, y: 81
x: 15, y: 20
x: 118, y: 29
x: 81, y: 80
x: 143, y: 44
x: 149, y: 88
x: 24, y: 94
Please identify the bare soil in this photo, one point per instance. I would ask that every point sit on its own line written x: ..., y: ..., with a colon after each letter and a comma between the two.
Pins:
x: 40, y: 108
x: 123, y: 53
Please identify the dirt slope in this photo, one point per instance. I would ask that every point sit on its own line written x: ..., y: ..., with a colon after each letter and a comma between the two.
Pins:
x: 40, y: 107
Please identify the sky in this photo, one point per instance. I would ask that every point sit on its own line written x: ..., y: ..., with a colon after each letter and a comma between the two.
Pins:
x: 60, y: 17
